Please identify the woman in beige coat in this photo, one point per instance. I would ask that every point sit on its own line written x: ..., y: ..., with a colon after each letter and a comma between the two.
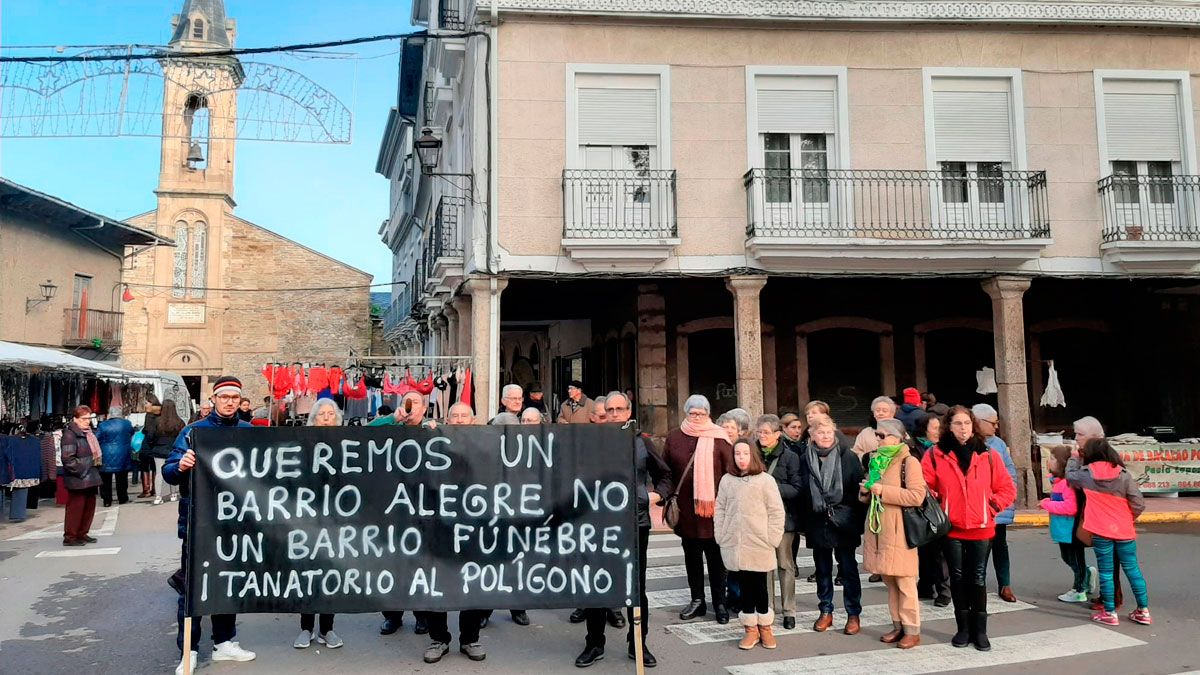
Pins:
x: 885, y: 548
x: 748, y: 524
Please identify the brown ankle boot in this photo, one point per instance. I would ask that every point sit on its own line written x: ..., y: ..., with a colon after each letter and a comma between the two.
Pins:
x: 766, y: 635
x: 892, y: 637
x: 750, y: 639
x: 909, y: 641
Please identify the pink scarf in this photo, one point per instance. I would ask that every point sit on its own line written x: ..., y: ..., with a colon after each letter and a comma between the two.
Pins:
x: 704, y: 484
x: 93, y: 444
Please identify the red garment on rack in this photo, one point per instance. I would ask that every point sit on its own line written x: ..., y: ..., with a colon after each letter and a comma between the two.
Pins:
x: 425, y: 386
x: 391, y: 389
x: 356, y: 393
x: 336, y: 378
x: 279, y: 379
x: 318, y: 379
x: 299, y: 386
x: 467, y: 390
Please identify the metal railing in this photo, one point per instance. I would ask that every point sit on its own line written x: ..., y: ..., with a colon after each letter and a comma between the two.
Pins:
x: 417, y: 296
x: 1150, y: 208
x: 619, y: 204
x: 82, y: 327
x: 427, y: 99
x: 896, y: 204
x: 450, y: 15
x: 444, y: 240
x: 398, y: 311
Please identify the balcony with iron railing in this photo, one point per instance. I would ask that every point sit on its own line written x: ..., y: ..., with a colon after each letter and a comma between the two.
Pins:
x: 91, y: 328
x: 619, y: 219
x: 416, y: 298
x: 879, y: 219
x: 450, y: 15
x: 1151, y: 222
x: 397, y: 312
x: 443, y: 252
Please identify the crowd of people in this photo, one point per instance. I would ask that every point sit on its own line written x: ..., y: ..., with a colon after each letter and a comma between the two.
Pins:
x: 743, y: 495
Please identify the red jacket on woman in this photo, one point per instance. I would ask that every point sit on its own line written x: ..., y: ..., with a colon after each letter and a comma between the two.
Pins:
x: 972, y: 500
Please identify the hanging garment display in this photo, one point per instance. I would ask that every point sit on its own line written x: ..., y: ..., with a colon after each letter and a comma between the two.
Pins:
x: 985, y: 377
x: 318, y: 379
x: 1053, y: 396
x: 468, y: 394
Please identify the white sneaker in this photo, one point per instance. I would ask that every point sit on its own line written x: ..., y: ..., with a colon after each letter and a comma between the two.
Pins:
x: 1073, y: 596
x: 231, y: 651
x: 1093, y: 581
x: 303, y: 640
x: 174, y: 496
x: 157, y: 501
x: 192, y: 669
x: 331, y: 640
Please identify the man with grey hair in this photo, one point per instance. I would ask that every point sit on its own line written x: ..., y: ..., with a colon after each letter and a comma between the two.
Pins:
x: 989, y: 424
x: 512, y: 399
x: 115, y: 435
x: 598, y: 415
x: 519, y: 616
x: 653, y: 481
x: 532, y: 415
x: 882, y: 408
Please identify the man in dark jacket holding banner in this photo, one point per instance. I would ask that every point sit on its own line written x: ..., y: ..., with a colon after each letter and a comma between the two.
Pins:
x: 227, y: 394
x: 649, y: 469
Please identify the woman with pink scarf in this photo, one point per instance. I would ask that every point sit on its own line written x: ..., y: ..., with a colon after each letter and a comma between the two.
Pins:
x: 699, y: 454
x: 81, y: 460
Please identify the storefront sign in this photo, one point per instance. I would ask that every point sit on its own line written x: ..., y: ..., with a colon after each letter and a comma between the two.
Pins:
x: 1167, y: 467
x: 365, y: 519
x: 185, y: 312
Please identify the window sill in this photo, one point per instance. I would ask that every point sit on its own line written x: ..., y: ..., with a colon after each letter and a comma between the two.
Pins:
x: 619, y: 255
x: 1153, y: 257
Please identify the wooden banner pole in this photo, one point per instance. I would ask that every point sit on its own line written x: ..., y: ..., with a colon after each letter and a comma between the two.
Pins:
x: 637, y: 641
x: 187, y: 646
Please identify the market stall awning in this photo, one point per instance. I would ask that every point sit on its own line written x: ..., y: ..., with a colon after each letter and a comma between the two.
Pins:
x: 23, y: 357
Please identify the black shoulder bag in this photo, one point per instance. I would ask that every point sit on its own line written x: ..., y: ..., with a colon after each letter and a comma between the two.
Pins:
x: 926, y: 523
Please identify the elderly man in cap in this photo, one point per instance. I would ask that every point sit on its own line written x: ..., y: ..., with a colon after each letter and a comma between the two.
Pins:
x: 577, y: 409
x: 989, y: 424
x: 227, y: 394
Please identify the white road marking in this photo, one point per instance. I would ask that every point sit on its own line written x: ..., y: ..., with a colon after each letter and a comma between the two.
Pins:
x: 678, y: 597
x: 669, y: 571
x: 664, y: 536
x: 664, y: 552
x: 1044, y: 645
x: 79, y: 552
x: 106, y: 529
x: 700, y: 632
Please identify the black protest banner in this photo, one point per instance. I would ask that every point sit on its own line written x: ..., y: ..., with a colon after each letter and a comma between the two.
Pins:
x: 364, y: 519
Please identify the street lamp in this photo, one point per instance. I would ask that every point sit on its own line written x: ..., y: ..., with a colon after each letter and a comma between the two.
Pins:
x: 429, y: 150
x: 48, y: 290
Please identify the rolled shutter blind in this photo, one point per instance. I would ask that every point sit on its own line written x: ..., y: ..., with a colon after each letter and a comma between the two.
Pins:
x: 796, y: 111
x: 972, y: 126
x: 1142, y: 126
x: 618, y: 116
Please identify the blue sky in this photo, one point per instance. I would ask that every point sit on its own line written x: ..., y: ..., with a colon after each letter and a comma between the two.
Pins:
x: 327, y: 197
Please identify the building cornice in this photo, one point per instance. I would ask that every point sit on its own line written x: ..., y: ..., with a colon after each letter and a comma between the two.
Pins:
x: 935, y: 11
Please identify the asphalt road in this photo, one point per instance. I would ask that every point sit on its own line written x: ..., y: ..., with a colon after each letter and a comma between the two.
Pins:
x: 111, y: 612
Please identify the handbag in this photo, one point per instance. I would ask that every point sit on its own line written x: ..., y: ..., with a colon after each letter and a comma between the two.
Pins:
x: 671, y: 504
x: 926, y: 523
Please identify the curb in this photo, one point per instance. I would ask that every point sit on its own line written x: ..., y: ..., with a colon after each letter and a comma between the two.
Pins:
x: 1043, y: 519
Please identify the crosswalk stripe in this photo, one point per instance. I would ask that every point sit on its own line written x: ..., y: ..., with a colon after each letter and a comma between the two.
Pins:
x: 939, y: 658
x: 872, y: 615
x: 79, y: 553
x: 676, y: 552
x: 106, y: 529
x: 678, y: 597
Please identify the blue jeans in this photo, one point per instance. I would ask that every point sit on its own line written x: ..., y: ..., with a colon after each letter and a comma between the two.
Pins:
x: 18, y: 500
x: 847, y: 570
x: 1125, y: 553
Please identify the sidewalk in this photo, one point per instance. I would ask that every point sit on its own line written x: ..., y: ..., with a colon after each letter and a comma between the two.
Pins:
x: 1158, y: 510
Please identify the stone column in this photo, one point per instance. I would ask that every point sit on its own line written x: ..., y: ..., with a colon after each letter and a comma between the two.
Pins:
x: 485, y: 342
x: 462, y: 308
x: 452, y: 344
x: 1008, y: 326
x: 747, y: 341
x: 652, y: 361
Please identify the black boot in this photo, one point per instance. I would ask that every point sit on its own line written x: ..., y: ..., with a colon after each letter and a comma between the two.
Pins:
x: 695, y: 609
x: 979, y: 618
x: 962, y: 616
x: 722, y: 614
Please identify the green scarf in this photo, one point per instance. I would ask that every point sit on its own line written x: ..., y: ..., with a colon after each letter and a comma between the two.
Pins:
x: 880, y: 461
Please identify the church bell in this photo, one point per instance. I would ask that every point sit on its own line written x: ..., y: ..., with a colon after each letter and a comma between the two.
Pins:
x: 195, y: 154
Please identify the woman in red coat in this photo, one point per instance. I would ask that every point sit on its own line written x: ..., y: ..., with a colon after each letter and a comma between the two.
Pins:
x: 696, y: 492
x: 972, y: 484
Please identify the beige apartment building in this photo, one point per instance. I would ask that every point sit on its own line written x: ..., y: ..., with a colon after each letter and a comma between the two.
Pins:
x: 771, y: 201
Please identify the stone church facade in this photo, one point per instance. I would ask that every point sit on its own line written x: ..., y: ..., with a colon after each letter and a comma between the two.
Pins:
x: 231, y: 295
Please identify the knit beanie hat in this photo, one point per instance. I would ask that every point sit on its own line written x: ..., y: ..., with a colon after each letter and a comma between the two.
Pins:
x: 912, y: 396
x: 227, y: 384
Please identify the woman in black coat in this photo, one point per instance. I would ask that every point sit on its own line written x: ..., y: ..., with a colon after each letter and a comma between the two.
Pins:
x: 832, y: 519
x: 81, y: 460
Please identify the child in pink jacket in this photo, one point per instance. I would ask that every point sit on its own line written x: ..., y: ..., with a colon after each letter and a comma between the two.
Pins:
x: 1063, y: 507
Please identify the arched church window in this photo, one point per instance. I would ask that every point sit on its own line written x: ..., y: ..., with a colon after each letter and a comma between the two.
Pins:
x: 198, y: 29
x: 199, y: 258
x: 179, y: 277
